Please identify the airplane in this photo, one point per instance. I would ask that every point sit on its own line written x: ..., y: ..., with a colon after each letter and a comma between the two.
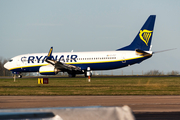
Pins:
x: 81, y: 62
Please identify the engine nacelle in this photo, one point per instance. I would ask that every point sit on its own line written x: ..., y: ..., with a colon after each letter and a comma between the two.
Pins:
x: 48, y: 70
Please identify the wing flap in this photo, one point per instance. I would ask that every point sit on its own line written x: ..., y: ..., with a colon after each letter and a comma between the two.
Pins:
x: 66, y: 67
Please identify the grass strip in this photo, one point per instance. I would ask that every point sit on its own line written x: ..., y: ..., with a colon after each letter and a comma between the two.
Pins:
x: 97, y: 86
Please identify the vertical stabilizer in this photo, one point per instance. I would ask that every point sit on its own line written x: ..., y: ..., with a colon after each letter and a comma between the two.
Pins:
x: 143, y: 39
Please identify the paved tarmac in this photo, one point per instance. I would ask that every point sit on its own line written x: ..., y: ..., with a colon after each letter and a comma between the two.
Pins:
x: 136, y: 103
x: 144, y: 107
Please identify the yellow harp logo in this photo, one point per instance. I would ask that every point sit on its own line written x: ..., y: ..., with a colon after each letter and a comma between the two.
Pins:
x: 145, y: 35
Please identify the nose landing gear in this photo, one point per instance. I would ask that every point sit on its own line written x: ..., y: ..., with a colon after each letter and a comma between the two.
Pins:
x: 18, y: 75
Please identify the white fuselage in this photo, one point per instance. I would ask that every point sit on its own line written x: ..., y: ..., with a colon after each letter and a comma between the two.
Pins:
x: 95, y: 60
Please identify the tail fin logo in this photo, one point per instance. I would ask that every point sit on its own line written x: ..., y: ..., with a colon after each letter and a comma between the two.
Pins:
x: 145, y: 35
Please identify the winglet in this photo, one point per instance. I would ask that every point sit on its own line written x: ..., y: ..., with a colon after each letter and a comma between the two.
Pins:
x: 50, y: 53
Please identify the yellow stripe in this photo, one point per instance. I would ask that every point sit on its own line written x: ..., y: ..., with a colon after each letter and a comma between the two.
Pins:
x: 45, y: 71
x: 28, y: 66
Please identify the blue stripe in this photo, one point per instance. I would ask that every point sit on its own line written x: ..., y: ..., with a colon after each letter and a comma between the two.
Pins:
x: 27, y: 69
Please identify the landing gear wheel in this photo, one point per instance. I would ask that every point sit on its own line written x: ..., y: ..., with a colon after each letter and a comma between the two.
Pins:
x: 72, y: 75
x: 19, y: 76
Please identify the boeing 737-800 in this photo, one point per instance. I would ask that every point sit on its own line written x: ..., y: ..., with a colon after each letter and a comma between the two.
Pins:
x: 78, y: 62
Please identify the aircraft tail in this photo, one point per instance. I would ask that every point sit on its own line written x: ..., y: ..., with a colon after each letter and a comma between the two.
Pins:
x: 143, y: 39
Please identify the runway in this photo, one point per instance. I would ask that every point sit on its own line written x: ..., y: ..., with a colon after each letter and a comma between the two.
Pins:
x: 144, y: 107
x: 136, y: 103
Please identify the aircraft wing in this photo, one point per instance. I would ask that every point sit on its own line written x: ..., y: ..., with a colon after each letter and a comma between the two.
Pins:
x: 60, y: 65
x: 63, y: 66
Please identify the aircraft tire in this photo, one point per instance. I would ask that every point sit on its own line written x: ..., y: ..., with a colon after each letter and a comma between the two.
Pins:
x: 19, y: 76
x: 72, y: 75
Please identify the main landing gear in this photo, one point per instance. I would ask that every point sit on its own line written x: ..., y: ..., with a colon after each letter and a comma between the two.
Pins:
x: 72, y: 75
x: 86, y: 73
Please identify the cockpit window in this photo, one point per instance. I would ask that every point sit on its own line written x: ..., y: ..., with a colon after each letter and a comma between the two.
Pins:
x: 10, y: 60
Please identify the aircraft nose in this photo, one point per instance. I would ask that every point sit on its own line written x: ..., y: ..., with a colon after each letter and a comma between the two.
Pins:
x: 6, y: 65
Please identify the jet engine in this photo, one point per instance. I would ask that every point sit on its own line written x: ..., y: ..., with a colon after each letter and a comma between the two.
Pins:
x: 48, y: 70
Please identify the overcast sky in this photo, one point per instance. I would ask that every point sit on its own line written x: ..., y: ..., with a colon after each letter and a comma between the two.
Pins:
x: 33, y: 26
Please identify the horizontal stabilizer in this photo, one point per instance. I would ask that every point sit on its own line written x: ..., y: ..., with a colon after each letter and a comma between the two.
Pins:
x: 141, y: 52
x: 164, y: 50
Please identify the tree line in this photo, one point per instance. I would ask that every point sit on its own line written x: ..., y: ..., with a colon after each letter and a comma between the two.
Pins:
x: 156, y: 72
x: 3, y: 71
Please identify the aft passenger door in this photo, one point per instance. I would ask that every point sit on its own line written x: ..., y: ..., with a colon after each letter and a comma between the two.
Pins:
x: 123, y: 57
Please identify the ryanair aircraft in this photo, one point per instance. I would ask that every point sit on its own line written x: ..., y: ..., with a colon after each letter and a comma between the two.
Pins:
x: 80, y: 62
